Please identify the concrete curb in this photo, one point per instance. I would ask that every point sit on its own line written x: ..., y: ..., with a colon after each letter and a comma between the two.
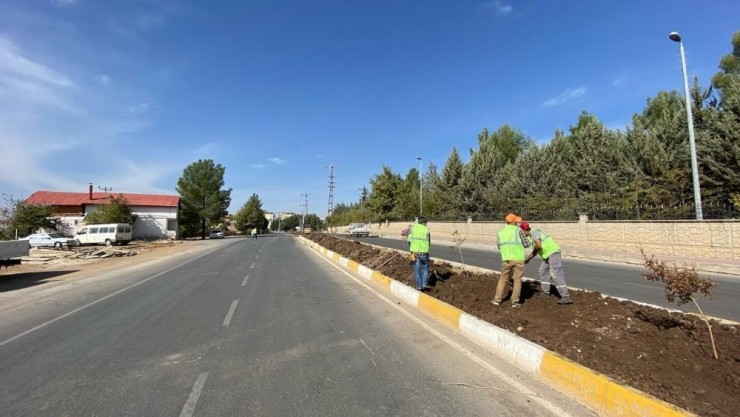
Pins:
x: 605, y: 396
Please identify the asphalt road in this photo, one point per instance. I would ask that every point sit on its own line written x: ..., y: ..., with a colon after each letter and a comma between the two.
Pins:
x: 617, y: 280
x: 247, y: 327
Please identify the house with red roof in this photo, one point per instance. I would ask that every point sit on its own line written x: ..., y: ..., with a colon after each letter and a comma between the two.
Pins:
x: 156, y: 214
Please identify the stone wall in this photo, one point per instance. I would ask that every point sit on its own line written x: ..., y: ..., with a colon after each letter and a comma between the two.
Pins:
x: 707, y: 239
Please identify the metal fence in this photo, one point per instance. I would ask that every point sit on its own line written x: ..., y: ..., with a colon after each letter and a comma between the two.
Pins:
x: 685, y: 212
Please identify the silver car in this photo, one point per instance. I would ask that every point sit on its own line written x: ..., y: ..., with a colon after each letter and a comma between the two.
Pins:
x: 216, y: 234
x: 54, y: 240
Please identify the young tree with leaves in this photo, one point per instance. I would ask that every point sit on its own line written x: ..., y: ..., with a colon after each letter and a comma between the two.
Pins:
x: 25, y: 219
x: 201, y: 194
x: 251, y: 215
x: 116, y: 211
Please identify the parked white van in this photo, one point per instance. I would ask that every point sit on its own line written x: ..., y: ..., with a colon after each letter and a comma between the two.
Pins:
x: 109, y: 234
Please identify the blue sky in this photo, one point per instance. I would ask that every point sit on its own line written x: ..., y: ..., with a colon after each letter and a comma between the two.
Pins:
x: 126, y: 94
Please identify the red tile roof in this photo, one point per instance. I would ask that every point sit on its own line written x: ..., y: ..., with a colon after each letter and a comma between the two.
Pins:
x: 56, y: 198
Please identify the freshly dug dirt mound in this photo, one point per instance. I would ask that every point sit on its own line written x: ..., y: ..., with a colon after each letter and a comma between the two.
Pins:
x: 666, y: 354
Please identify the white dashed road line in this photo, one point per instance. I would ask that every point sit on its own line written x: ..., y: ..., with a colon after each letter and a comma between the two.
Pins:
x: 227, y: 320
x: 245, y: 280
x: 189, y: 407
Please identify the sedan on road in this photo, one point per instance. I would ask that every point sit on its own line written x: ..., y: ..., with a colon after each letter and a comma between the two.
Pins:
x: 54, y: 240
x: 216, y: 234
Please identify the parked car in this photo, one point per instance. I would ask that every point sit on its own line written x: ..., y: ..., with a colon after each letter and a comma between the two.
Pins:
x: 54, y: 240
x: 216, y: 234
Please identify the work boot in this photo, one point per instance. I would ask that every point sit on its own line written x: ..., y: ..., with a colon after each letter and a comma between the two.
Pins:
x: 565, y: 300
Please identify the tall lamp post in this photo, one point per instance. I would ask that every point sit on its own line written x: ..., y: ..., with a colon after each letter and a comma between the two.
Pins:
x: 361, y: 208
x: 675, y: 37
x: 421, y: 187
x: 305, y: 211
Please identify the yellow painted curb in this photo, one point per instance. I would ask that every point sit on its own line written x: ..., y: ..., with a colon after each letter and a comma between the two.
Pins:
x: 606, y: 396
x: 352, y: 265
x: 382, y: 280
x: 440, y: 310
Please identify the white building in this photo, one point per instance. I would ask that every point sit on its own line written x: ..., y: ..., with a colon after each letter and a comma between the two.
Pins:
x: 155, y: 214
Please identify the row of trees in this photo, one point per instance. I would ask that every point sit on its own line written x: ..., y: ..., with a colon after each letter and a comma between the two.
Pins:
x: 590, y: 166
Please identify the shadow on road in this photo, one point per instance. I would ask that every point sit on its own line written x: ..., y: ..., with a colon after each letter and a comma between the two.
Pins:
x: 29, y: 279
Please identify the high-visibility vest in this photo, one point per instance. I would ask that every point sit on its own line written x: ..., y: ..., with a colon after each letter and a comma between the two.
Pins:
x: 549, y: 245
x: 419, y: 238
x: 510, y: 243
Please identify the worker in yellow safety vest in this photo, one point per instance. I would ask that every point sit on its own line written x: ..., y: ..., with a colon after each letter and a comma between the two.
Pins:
x: 511, y: 242
x: 551, y: 268
x: 419, y: 241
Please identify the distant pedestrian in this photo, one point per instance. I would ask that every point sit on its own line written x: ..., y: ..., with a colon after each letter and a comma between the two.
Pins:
x: 254, y: 233
x: 511, y: 242
x: 551, y: 268
x: 419, y: 242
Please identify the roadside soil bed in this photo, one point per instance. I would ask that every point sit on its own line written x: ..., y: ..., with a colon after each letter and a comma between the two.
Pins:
x: 666, y: 354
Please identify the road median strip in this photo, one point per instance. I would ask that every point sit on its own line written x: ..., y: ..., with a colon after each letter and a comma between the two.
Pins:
x: 597, y: 391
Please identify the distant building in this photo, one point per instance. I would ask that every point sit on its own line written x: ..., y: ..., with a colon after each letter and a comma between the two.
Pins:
x: 155, y: 214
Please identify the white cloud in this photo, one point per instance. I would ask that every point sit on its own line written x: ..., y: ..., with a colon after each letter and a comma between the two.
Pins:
x: 500, y: 8
x: 564, y: 97
x: 619, y: 81
x: 36, y: 93
x: 277, y: 161
x: 104, y: 79
x: 13, y: 62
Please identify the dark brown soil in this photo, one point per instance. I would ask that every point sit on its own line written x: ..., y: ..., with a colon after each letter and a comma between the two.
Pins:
x: 666, y: 354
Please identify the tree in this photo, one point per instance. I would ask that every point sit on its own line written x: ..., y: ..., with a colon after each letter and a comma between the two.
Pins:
x: 116, y: 211
x: 251, y: 215
x: 383, y: 199
x: 680, y: 283
x: 202, y: 196
x: 658, y: 148
x: 494, y: 152
x: 446, y: 192
x: 726, y: 80
x: 26, y: 218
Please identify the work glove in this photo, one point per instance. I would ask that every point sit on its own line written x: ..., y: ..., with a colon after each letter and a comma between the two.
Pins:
x: 412, y: 257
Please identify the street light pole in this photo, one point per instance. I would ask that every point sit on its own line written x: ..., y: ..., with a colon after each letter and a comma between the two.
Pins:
x: 362, y: 212
x: 421, y: 187
x: 675, y: 37
x: 305, y: 210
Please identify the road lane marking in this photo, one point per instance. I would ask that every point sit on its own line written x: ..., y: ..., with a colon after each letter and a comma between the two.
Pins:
x: 256, y: 256
x: 245, y: 280
x: 511, y: 382
x: 189, y: 407
x: 643, y: 285
x: 227, y: 320
x: 251, y: 266
x: 46, y: 323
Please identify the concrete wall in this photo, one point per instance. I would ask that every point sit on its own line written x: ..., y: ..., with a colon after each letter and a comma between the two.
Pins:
x: 708, y: 239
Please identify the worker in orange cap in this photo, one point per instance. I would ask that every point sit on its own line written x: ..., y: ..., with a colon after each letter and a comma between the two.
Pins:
x: 511, y: 243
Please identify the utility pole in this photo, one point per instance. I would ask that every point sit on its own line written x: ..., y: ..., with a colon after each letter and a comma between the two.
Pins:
x: 305, y: 210
x: 331, y: 189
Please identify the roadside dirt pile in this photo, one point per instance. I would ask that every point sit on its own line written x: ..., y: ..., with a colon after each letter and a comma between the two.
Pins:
x: 665, y: 354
